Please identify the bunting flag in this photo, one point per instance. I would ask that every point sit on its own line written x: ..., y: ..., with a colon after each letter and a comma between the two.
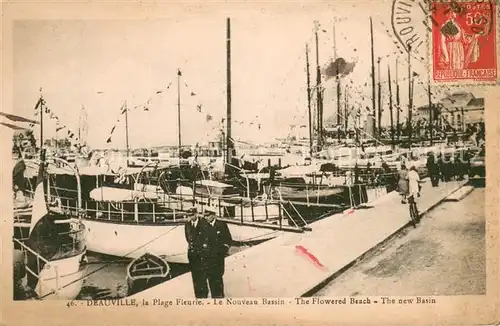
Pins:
x: 60, y: 128
x: 179, y: 72
x: 109, y: 140
x: 208, y: 117
x: 193, y: 94
x: 199, y: 107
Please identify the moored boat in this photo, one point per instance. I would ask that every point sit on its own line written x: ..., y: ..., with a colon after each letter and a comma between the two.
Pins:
x: 54, y: 247
x: 146, y: 271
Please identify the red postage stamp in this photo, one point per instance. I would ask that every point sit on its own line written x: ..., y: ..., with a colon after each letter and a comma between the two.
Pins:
x: 464, y: 41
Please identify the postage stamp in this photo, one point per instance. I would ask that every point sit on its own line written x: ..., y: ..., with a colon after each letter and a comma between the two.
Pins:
x: 464, y: 41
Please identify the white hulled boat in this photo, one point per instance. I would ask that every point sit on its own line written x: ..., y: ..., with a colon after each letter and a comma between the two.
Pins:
x: 55, y: 247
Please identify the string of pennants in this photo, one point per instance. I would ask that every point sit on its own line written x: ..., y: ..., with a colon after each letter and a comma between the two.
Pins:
x: 146, y: 106
x: 70, y: 135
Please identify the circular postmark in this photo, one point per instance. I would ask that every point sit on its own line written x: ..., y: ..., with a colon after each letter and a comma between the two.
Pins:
x: 414, y: 21
x: 409, y: 20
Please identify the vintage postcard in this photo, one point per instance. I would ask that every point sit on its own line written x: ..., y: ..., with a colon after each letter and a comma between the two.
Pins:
x: 250, y: 163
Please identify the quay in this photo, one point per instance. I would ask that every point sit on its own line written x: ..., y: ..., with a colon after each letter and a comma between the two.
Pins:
x: 295, y: 265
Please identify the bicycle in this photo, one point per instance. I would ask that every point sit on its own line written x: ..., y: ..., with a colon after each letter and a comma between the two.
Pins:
x: 414, y: 215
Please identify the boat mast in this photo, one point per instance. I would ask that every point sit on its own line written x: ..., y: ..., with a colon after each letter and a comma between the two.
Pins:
x: 309, y: 102
x: 373, y: 72
x: 337, y: 78
x: 410, y: 97
x: 390, y: 105
x: 179, y: 112
x: 379, y: 104
x: 229, y: 140
x: 318, y: 94
x: 398, y: 130
x: 431, y: 114
x: 126, y: 130
x: 41, y: 119
x: 346, y: 113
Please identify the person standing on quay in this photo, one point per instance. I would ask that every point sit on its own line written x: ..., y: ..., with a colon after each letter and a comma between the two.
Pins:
x: 403, y: 183
x: 220, y: 240
x: 433, y: 169
x: 196, y: 231
x: 413, y: 182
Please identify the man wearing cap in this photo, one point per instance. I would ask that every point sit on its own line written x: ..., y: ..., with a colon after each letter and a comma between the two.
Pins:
x: 219, y: 239
x: 197, y: 231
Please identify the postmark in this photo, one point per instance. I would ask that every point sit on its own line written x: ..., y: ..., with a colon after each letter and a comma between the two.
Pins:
x: 411, y: 23
x: 464, y: 45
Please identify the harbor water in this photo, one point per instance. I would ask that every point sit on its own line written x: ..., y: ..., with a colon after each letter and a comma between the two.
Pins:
x: 107, y: 276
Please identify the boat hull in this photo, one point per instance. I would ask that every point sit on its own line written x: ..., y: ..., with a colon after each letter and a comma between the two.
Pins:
x: 138, y: 285
x: 134, y: 240
x: 67, y: 274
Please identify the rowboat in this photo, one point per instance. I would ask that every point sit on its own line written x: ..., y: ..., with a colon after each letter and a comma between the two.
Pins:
x: 146, y: 271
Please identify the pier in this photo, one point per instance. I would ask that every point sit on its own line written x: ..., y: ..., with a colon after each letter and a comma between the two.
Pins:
x: 296, y: 265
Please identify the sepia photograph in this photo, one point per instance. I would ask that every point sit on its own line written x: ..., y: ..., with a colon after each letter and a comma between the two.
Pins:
x: 275, y: 158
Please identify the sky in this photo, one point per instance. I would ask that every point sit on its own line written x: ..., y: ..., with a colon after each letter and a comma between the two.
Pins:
x: 102, y: 64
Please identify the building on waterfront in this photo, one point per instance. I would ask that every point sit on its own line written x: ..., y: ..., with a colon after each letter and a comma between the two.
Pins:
x: 459, y: 111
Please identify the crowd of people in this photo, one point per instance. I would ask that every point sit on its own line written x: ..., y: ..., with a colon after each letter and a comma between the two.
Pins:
x: 443, y: 167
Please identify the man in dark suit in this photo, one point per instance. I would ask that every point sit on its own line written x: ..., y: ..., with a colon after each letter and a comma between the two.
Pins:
x: 220, y: 240
x: 197, y: 231
x: 433, y: 169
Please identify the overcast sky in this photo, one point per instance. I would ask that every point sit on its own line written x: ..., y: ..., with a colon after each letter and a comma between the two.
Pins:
x: 100, y: 64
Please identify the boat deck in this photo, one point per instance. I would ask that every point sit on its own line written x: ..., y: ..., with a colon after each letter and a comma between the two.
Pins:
x: 293, y: 265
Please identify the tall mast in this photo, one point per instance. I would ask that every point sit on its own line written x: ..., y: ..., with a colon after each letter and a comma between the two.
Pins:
x: 379, y: 105
x: 431, y: 114
x: 126, y: 129
x: 373, y: 71
x: 337, y: 78
x: 229, y: 141
x: 319, y: 94
x: 346, y: 114
x: 390, y: 105
x: 41, y: 120
x: 398, y: 107
x: 309, y: 102
x: 410, y: 97
x: 179, y: 112
x: 57, y: 127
